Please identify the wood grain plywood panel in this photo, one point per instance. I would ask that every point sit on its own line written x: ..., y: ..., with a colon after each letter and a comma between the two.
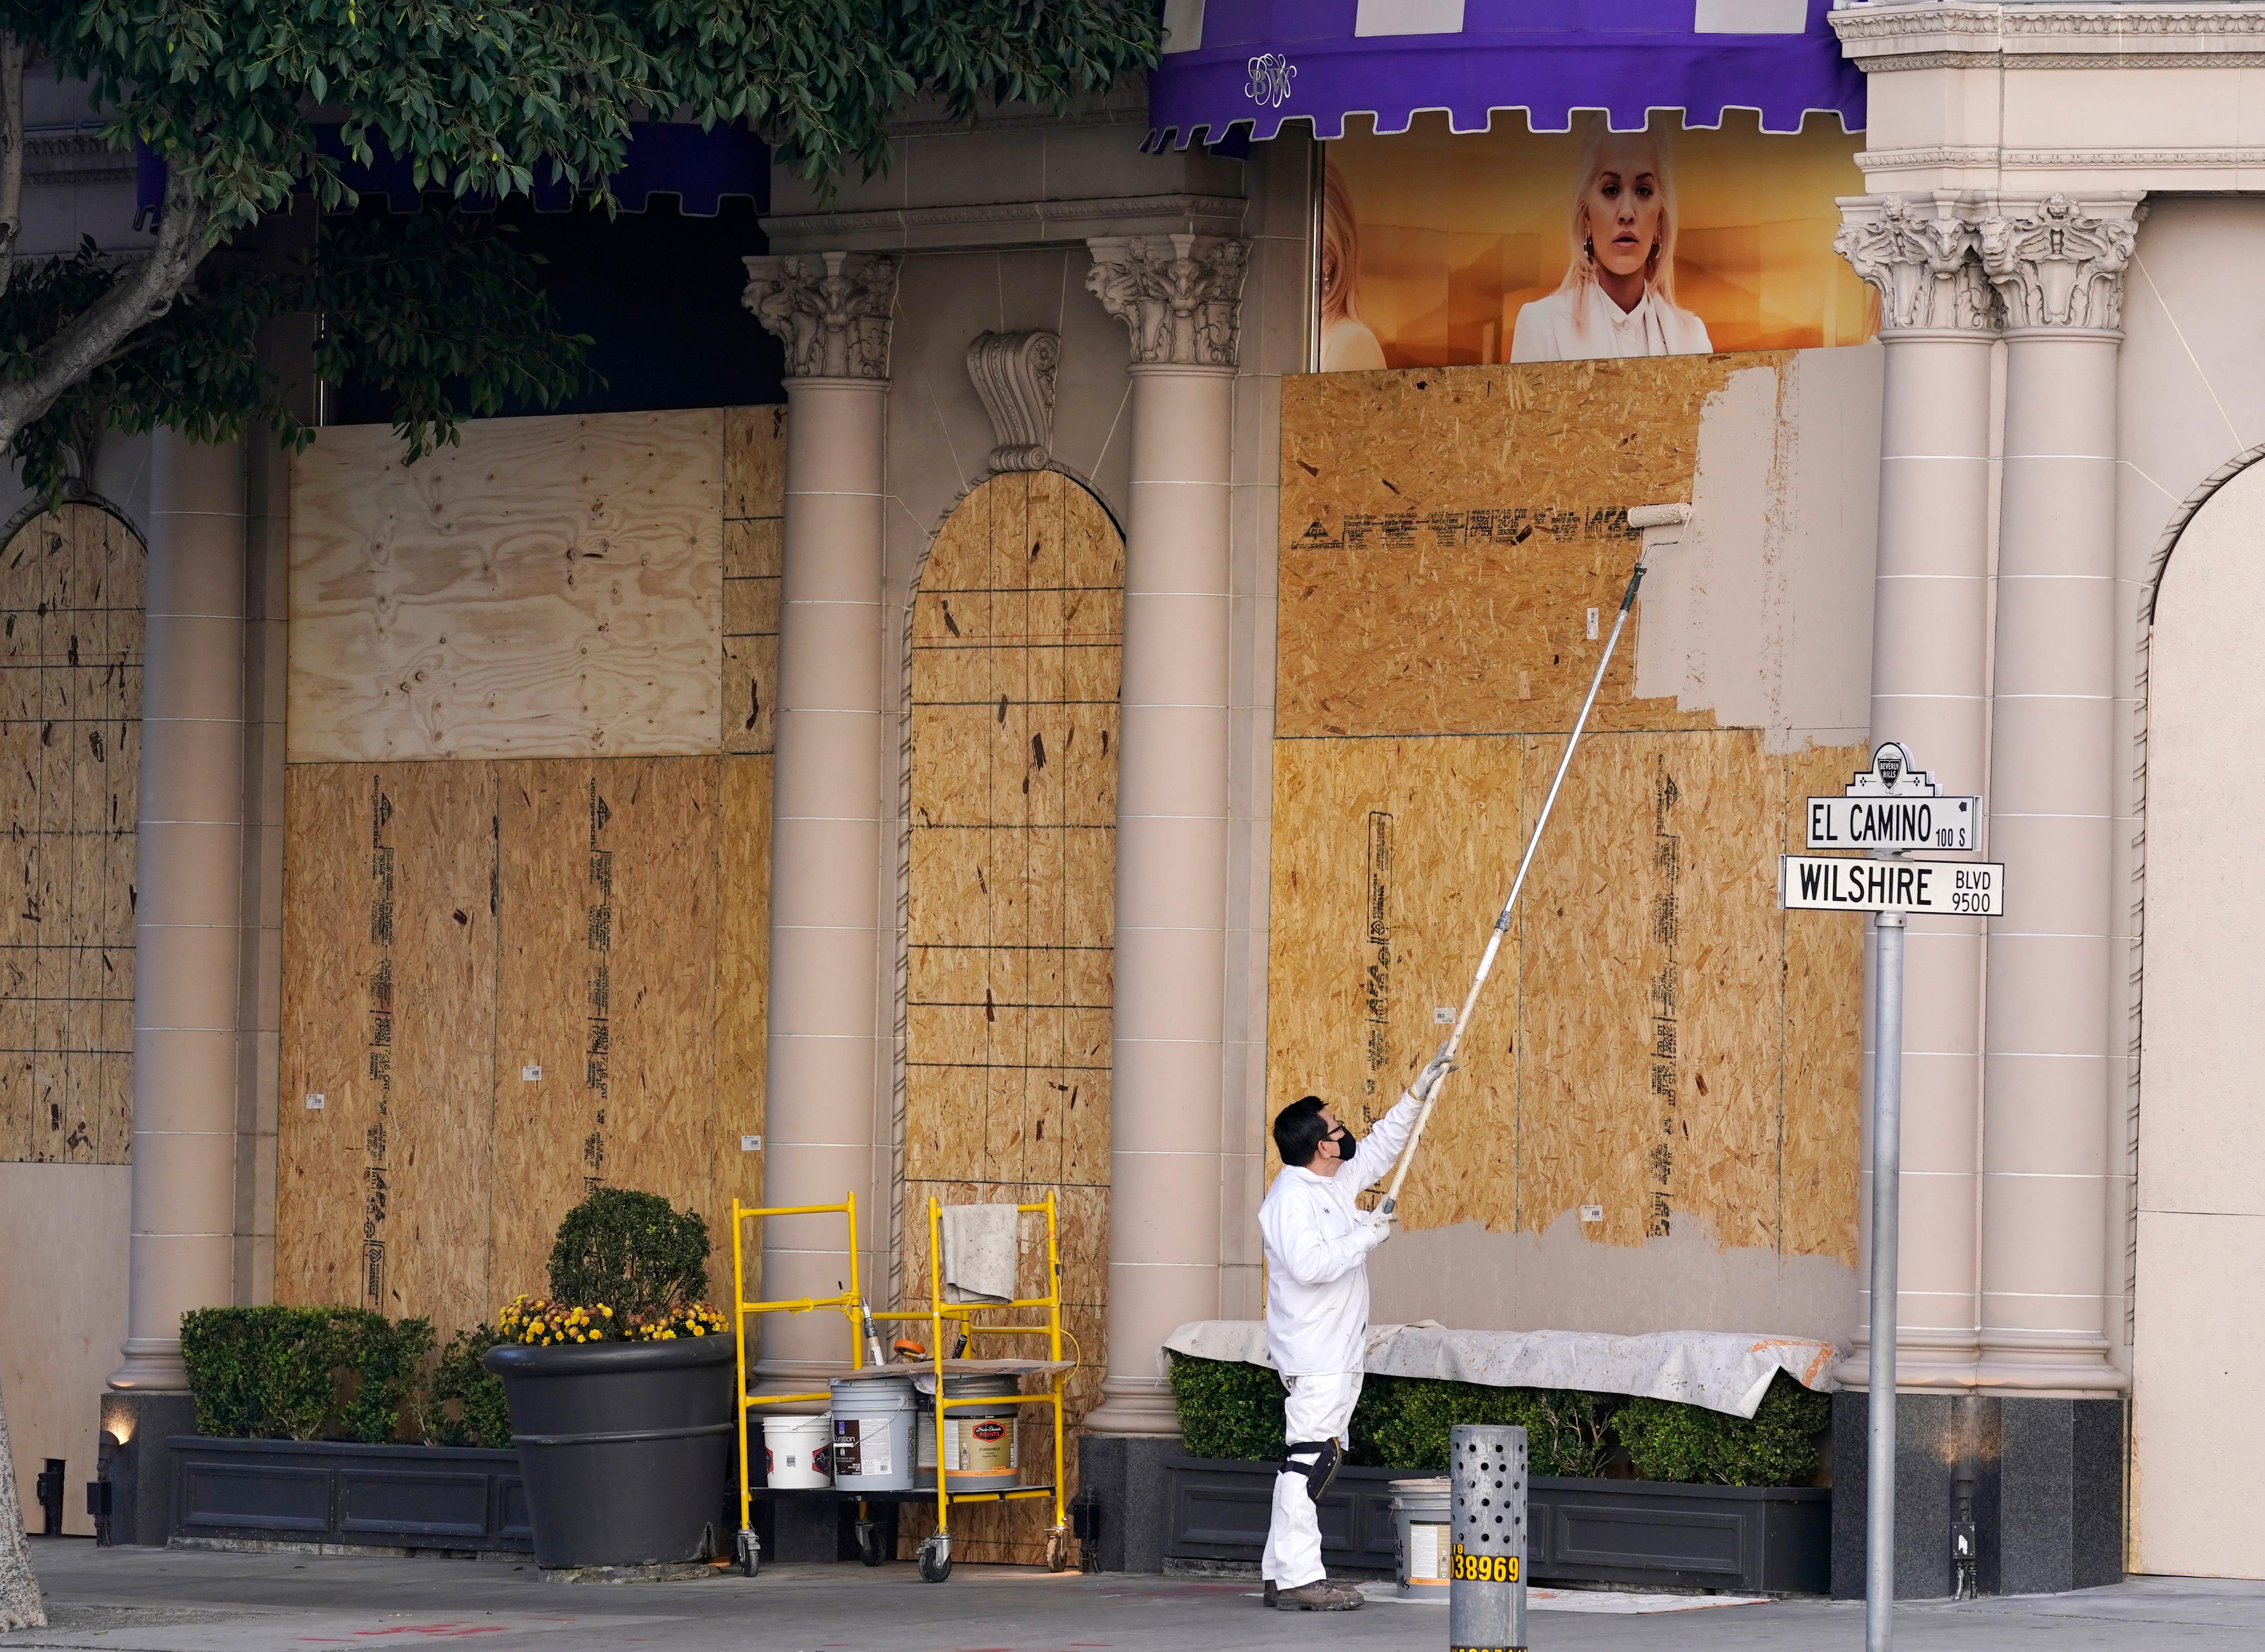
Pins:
x: 445, y: 1081
x: 548, y: 1127
x: 331, y: 950
x: 552, y: 587
x: 661, y: 832
x: 1824, y: 1037
x: 754, y: 462
x: 1444, y: 533
x: 743, y: 952
x: 1388, y: 863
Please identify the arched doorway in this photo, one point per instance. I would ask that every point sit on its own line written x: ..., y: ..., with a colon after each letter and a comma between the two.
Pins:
x: 1016, y: 632
x: 2199, y: 1342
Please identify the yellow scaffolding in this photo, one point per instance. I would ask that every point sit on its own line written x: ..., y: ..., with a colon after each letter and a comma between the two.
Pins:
x: 935, y: 1551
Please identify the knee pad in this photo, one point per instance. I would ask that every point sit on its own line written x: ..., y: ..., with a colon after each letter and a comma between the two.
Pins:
x: 1326, y: 1456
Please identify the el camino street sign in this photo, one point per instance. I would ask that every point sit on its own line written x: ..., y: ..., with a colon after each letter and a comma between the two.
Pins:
x: 1836, y: 882
x: 1893, y: 823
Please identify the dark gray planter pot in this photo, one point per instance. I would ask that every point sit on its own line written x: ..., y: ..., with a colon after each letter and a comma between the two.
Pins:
x: 322, y: 1491
x: 1638, y: 1534
x: 626, y: 1447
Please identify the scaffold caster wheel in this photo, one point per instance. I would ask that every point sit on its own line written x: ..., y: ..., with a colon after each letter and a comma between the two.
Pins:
x: 747, y: 1550
x: 1058, y: 1549
x: 868, y: 1542
x: 935, y: 1558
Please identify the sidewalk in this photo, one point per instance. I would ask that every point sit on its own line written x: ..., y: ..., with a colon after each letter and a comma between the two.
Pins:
x: 153, y: 1600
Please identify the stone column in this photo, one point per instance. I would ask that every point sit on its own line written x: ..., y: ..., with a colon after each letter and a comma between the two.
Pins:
x: 1930, y: 682
x: 824, y: 1044
x: 1179, y: 297
x: 2058, y: 267
x: 189, y: 882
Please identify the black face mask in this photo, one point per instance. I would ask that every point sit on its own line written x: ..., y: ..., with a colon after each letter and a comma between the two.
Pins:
x: 1348, y: 1144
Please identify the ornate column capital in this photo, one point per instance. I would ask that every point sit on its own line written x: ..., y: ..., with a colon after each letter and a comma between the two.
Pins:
x: 831, y: 309
x: 1921, y: 255
x: 2057, y: 266
x: 1180, y: 297
x: 1014, y: 373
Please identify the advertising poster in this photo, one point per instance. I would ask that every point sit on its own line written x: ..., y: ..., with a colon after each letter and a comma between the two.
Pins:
x: 1441, y: 249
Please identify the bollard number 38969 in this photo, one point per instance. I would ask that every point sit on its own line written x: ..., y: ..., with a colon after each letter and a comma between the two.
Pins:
x: 1484, y: 1568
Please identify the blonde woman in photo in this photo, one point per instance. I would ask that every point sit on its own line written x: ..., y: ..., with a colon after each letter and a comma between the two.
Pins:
x: 1618, y: 297
x: 1348, y: 345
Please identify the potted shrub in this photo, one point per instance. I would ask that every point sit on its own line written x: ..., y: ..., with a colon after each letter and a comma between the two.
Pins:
x: 619, y: 1386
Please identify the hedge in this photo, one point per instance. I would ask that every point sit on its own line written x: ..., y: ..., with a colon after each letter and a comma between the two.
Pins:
x: 301, y: 1374
x: 1234, y: 1411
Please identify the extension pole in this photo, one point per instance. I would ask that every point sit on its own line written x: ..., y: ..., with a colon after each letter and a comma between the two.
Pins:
x: 1502, y: 924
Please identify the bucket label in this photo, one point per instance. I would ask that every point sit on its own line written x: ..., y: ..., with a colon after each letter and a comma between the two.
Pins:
x: 1427, y: 1553
x: 980, y: 1445
x: 857, y: 1453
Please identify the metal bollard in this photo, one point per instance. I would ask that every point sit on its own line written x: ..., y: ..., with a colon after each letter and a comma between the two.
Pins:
x: 1486, y: 1587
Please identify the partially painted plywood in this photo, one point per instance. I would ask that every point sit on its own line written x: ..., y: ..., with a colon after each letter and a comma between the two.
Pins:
x: 754, y: 524
x: 1446, y: 535
x: 552, y: 587
x: 1658, y: 1046
x: 70, y: 711
x: 1016, y: 627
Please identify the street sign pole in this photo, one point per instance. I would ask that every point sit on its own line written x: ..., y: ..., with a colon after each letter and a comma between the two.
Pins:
x: 1888, y: 810
x: 1887, y: 1205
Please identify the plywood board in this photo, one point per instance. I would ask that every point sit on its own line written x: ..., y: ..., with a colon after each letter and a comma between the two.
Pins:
x: 743, y: 956
x: 70, y: 669
x: 1446, y: 532
x: 1016, y: 634
x: 552, y: 587
x: 1823, y: 1041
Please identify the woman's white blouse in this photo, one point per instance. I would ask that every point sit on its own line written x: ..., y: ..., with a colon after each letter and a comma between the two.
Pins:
x: 1584, y: 324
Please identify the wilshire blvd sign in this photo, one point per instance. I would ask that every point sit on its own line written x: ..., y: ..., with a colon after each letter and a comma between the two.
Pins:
x: 1888, y: 809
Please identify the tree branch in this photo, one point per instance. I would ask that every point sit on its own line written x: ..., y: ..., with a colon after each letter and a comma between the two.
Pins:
x: 146, y: 292
x: 12, y: 54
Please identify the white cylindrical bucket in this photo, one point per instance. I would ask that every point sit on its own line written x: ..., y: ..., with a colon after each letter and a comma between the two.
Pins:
x: 873, y: 1433
x: 1422, y: 1513
x: 980, y: 1448
x: 795, y: 1451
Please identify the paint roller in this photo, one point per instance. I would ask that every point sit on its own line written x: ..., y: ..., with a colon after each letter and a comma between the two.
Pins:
x: 1650, y: 520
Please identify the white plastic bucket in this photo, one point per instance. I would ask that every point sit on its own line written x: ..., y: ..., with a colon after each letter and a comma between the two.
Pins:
x: 979, y: 1445
x: 795, y: 1451
x: 873, y: 1433
x: 1422, y: 1513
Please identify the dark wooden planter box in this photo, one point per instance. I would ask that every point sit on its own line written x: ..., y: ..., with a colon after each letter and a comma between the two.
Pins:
x: 324, y: 1491
x: 1640, y: 1533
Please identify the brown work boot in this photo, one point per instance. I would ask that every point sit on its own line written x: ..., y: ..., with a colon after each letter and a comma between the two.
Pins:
x: 1321, y: 1595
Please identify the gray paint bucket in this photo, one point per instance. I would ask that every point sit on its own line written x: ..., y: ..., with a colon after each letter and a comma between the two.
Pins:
x: 873, y: 1434
x: 1422, y: 1513
x: 980, y: 1441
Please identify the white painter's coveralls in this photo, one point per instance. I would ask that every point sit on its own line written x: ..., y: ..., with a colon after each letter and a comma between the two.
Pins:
x: 1317, y: 1246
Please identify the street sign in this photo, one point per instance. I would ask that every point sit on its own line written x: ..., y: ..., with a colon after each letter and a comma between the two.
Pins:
x: 1840, y: 882
x: 1893, y: 823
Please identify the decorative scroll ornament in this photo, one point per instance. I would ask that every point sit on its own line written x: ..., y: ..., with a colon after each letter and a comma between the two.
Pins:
x: 1923, y: 259
x: 832, y: 311
x: 1180, y: 297
x: 2058, y: 267
x: 1014, y: 373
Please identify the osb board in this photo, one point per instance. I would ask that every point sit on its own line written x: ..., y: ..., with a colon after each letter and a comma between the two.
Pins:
x: 1016, y: 628
x: 552, y: 587
x: 503, y: 979
x: 743, y: 959
x: 755, y: 511
x: 70, y: 710
x: 1445, y: 533
x: 1651, y: 1041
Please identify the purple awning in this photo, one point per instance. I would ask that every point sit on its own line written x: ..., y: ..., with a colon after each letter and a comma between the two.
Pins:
x: 700, y: 169
x: 1262, y: 62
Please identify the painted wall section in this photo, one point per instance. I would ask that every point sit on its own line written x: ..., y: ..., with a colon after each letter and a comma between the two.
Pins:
x: 1017, y: 633
x: 552, y: 587
x: 509, y: 981
x: 2199, y: 1443
x: 62, y: 1233
x: 1662, y: 1053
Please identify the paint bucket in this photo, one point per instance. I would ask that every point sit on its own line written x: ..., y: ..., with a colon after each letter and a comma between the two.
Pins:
x: 1422, y: 1511
x: 979, y: 1441
x: 873, y: 1433
x: 794, y: 1450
